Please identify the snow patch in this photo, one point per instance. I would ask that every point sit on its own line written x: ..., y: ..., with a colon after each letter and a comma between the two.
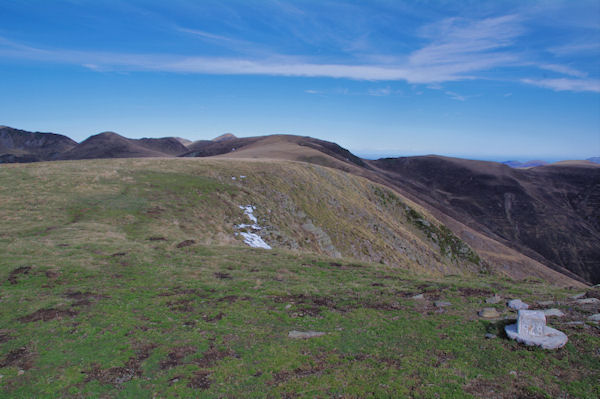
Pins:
x: 250, y: 238
x: 254, y: 240
x: 245, y: 226
x: 249, y: 211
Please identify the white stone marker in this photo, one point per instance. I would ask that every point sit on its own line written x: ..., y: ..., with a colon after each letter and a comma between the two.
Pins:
x: 531, y: 329
x: 531, y: 323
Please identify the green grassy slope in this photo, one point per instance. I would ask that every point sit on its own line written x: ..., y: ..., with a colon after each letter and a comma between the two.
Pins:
x: 300, y: 207
x: 101, y: 295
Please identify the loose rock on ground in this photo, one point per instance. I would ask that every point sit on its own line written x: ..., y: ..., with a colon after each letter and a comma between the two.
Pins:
x: 517, y: 304
x: 489, y: 313
x: 305, y: 334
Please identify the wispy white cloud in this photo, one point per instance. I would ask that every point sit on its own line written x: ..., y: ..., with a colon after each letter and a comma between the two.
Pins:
x: 455, y: 96
x: 589, y: 48
x: 565, y: 84
x: 455, y: 49
x: 206, y: 35
x: 565, y: 70
x: 456, y: 40
x: 380, y: 92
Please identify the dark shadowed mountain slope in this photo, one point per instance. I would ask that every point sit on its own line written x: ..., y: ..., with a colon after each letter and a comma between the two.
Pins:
x: 550, y: 213
x: 112, y: 145
x: 166, y: 145
x: 22, y: 146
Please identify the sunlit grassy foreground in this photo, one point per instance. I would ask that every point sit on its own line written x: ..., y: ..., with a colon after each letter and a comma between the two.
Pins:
x: 124, y: 278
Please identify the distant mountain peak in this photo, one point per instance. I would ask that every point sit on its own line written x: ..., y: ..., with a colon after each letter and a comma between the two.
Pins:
x: 594, y: 159
x: 223, y: 137
x: 528, y: 164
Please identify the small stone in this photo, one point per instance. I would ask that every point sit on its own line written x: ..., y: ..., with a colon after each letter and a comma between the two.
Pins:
x: 578, y: 296
x: 490, y: 336
x: 517, y: 304
x: 553, y: 312
x: 513, y: 373
x: 20, y: 372
x: 545, y: 303
x: 489, y: 313
x: 419, y: 296
x: 594, y: 317
x: 587, y: 301
x: 442, y: 304
x: 575, y: 323
x: 288, y: 306
x: 494, y: 300
x: 305, y: 334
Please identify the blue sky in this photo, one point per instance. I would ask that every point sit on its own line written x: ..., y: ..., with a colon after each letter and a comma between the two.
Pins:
x: 479, y: 79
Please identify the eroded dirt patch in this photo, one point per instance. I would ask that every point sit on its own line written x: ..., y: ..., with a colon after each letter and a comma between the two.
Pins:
x: 200, y: 380
x: 5, y: 336
x: 113, y: 375
x: 387, y: 306
x: 121, y: 374
x: 181, y: 305
x: 155, y: 210
x: 228, y: 299
x: 469, y: 292
x: 20, y: 357
x: 48, y: 314
x: 185, y: 243
x: 176, y: 356
x: 283, y: 376
x: 213, y: 355
x: 52, y: 274
x: 223, y: 276
x: 12, y: 278
x: 213, y: 318
x: 481, y: 388
x: 83, y: 298
x: 183, y: 291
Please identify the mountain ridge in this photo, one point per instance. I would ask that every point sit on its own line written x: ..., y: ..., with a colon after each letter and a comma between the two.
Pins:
x: 519, y: 218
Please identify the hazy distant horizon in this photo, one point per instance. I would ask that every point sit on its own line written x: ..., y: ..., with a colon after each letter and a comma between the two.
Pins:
x: 371, y: 155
